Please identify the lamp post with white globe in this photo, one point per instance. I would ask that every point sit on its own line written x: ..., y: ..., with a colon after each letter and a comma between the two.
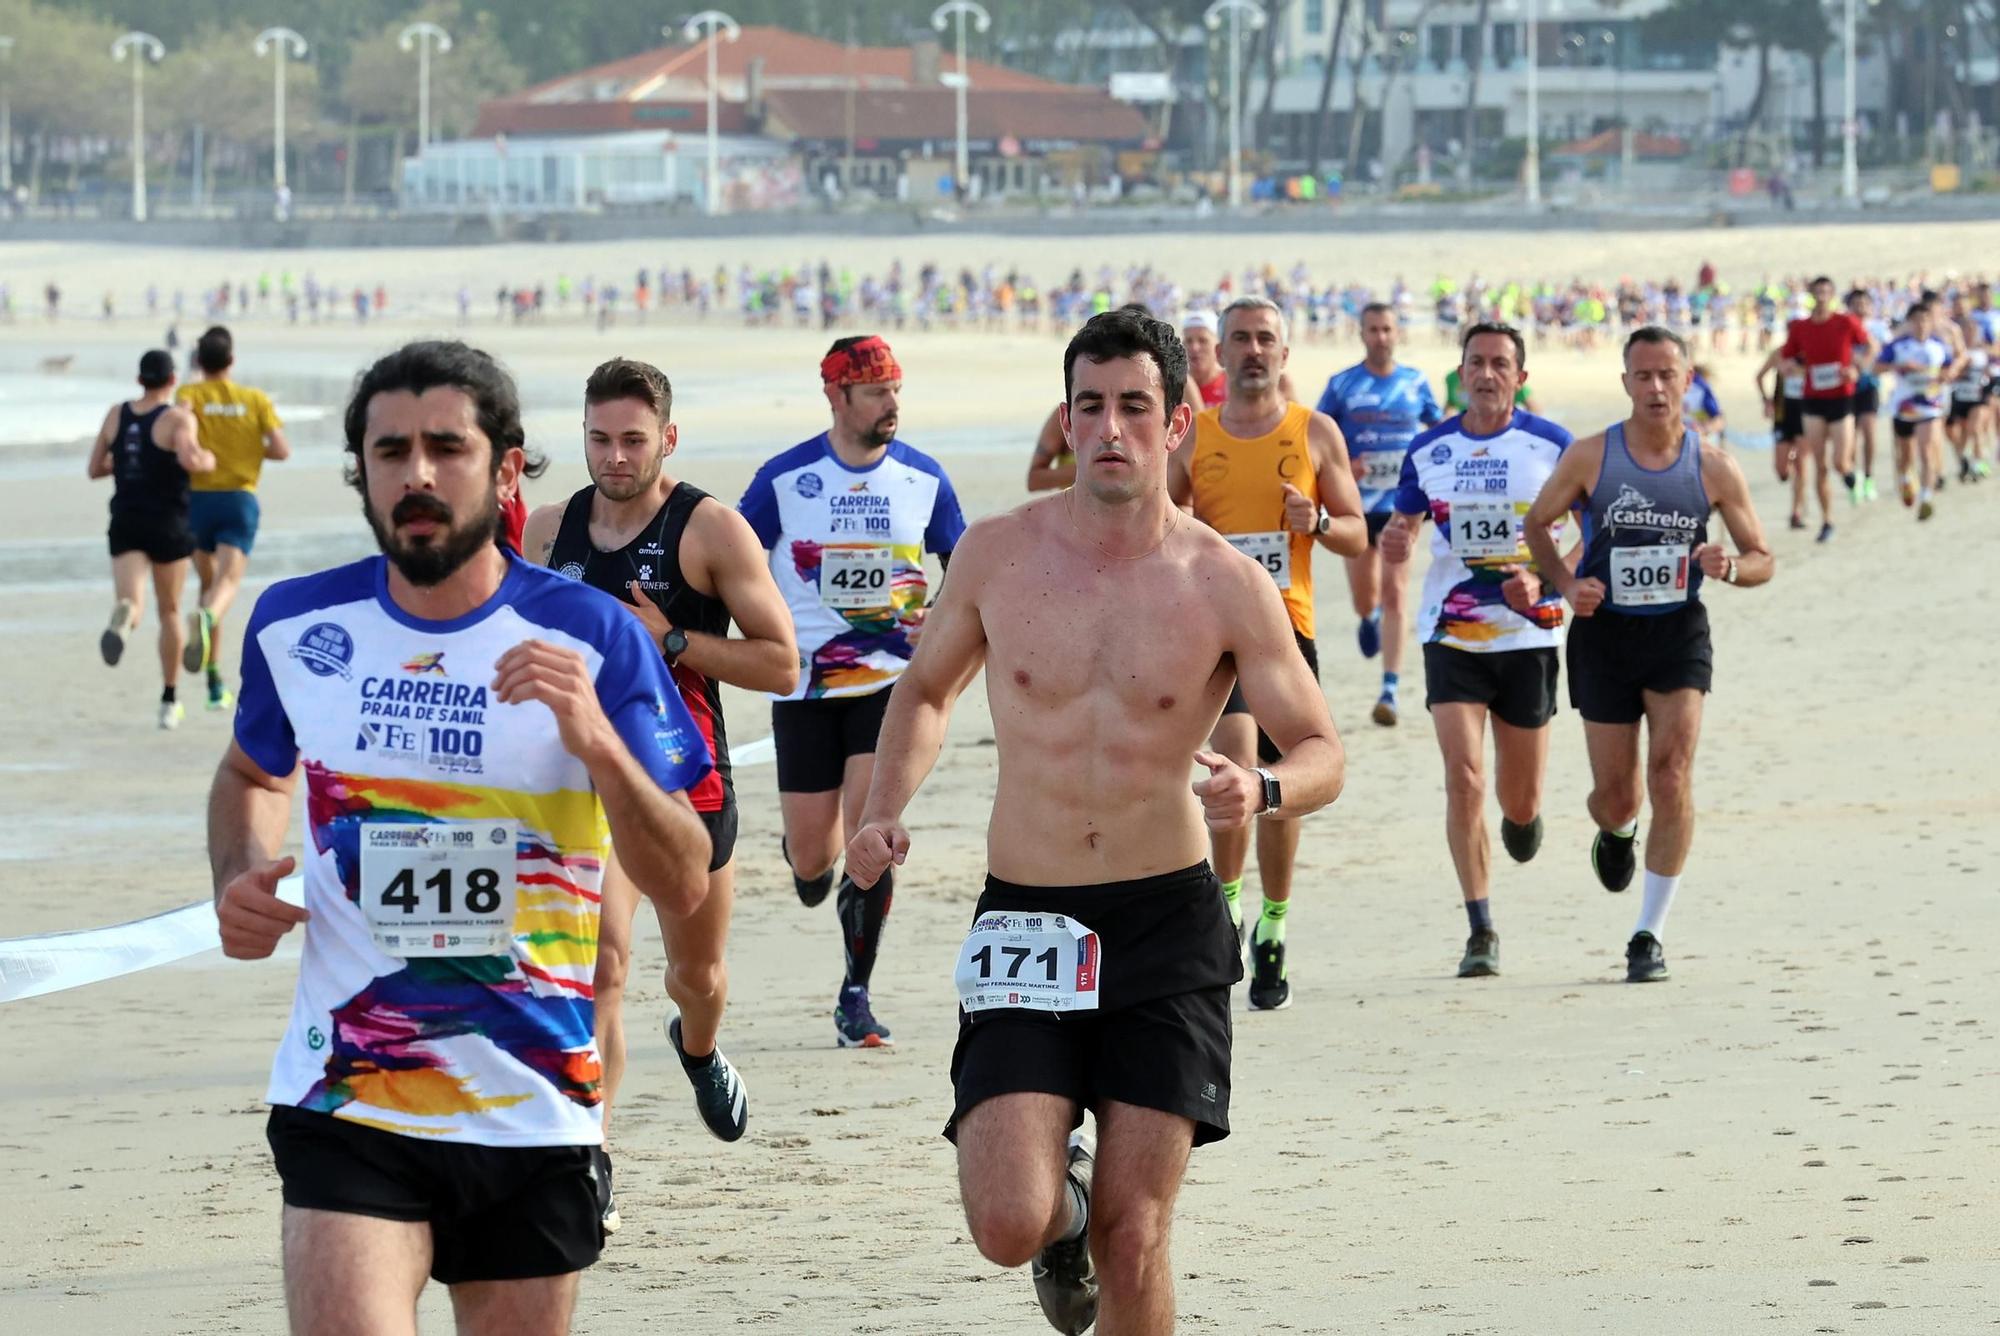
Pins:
x: 1239, y: 12
x: 289, y: 46
x: 941, y: 18
x: 719, y: 25
x: 139, y: 47
x: 421, y: 37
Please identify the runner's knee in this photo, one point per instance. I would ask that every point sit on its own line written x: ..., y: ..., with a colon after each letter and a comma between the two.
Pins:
x: 1007, y: 1233
x: 695, y: 978
x: 1668, y: 778
x: 1465, y: 783
x: 1130, y: 1247
x: 613, y: 963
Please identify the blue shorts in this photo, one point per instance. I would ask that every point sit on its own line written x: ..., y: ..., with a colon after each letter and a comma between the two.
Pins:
x: 219, y: 518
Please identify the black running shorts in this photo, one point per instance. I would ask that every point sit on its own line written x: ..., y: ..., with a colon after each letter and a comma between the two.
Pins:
x: 163, y: 538
x: 1159, y: 1038
x: 1867, y: 398
x: 1906, y: 428
x: 814, y: 738
x: 1378, y: 520
x: 495, y: 1212
x: 721, y: 835
x: 1833, y: 409
x: 1267, y: 750
x: 1518, y: 685
x: 1961, y: 409
x: 1791, y: 420
x: 1616, y: 657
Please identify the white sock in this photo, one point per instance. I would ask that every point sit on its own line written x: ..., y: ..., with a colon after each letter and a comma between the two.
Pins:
x: 1628, y: 830
x: 1659, y: 898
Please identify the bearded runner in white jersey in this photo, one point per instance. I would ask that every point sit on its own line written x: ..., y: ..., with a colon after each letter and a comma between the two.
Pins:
x: 847, y: 517
x: 471, y: 730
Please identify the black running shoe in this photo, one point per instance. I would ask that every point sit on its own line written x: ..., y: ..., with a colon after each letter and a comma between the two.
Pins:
x: 600, y: 1174
x: 1269, y: 989
x: 719, y: 1095
x: 812, y: 892
x: 1522, y: 842
x: 1613, y: 858
x: 1065, y: 1277
x: 1482, y: 955
x: 1645, y: 959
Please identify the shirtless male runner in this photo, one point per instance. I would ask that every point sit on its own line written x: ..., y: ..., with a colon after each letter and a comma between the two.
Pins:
x: 1112, y: 627
x: 686, y: 565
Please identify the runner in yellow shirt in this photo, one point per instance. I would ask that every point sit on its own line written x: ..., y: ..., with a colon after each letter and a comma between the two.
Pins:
x: 240, y: 428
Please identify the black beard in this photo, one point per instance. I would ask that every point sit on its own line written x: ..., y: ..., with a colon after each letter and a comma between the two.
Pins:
x: 434, y: 560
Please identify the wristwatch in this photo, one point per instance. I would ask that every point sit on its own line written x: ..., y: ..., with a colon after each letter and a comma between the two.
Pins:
x: 675, y: 643
x: 1323, y: 525
x: 1729, y: 572
x: 1273, y: 798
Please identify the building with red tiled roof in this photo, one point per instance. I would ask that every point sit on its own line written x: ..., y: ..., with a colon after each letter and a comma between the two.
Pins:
x: 876, y: 119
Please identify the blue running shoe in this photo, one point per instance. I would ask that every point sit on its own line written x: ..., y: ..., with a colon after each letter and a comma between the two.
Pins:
x: 854, y: 1025
x: 1370, y: 634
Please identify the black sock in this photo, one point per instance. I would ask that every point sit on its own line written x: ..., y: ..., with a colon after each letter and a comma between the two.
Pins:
x: 688, y: 1063
x: 862, y: 914
x: 166, y: 695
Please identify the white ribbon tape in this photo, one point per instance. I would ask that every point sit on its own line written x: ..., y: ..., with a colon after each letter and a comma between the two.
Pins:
x: 32, y: 966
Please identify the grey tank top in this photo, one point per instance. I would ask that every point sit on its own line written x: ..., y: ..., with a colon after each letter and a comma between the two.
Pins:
x: 1641, y: 526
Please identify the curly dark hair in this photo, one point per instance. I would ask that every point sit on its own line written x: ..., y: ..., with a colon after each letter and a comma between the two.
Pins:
x: 431, y: 364
x: 1130, y: 333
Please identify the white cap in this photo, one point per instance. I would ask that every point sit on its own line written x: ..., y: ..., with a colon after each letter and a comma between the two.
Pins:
x: 1199, y: 320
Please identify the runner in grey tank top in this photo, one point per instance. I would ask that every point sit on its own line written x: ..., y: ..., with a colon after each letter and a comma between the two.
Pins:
x: 1641, y: 527
x: 1638, y: 646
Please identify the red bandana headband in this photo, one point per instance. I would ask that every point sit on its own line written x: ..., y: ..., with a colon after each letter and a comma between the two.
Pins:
x: 868, y: 362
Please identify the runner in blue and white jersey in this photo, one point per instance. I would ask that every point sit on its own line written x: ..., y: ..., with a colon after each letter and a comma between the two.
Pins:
x: 1379, y: 407
x: 847, y: 517
x: 1923, y: 363
x: 471, y: 731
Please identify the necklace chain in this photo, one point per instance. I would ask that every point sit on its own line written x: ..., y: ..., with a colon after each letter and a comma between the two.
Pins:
x: 1069, y: 509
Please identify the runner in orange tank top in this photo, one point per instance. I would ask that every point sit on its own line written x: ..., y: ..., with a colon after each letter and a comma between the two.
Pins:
x: 1272, y: 477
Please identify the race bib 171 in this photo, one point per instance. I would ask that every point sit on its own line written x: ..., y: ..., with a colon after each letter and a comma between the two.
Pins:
x: 1031, y: 961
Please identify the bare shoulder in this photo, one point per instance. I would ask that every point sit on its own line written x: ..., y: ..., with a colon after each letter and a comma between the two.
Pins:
x: 716, y: 521
x: 539, y: 535
x: 1214, y: 563
x: 1718, y: 465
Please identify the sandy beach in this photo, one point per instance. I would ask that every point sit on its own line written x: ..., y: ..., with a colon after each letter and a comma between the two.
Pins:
x: 1799, y: 1133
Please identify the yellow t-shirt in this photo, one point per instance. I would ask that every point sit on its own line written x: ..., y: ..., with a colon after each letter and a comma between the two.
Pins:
x: 232, y: 420
x: 1239, y: 491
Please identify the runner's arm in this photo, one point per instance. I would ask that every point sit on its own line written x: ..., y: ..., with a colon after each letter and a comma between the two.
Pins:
x: 1044, y: 474
x: 766, y: 656
x: 248, y: 811
x: 1770, y: 364
x: 1282, y: 694
x: 276, y: 445
x: 661, y: 841
x: 184, y: 442
x: 1567, y: 486
x: 1338, y: 493
x: 100, y: 451
x: 1723, y: 478
x: 538, y: 537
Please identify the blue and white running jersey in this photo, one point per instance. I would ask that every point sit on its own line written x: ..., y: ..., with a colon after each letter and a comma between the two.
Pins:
x: 847, y: 550
x: 454, y: 849
x: 1919, y: 366
x: 1699, y: 404
x: 1379, y: 416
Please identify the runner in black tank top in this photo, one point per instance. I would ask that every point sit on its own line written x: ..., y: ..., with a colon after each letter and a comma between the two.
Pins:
x: 653, y: 558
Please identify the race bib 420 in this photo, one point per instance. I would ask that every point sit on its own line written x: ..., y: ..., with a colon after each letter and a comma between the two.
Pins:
x: 852, y: 579
x: 1033, y: 962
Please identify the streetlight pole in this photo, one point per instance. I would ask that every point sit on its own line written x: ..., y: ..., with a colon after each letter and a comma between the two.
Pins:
x: 1238, y: 11
x: 981, y: 20
x: 287, y: 44
x: 718, y: 24
x: 1533, y: 162
x: 1850, y: 163
x: 6, y: 123
x: 140, y: 47
x: 421, y: 37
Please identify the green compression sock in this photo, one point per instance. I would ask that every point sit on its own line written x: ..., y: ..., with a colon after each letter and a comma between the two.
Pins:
x: 1271, y: 923
x: 1232, y: 895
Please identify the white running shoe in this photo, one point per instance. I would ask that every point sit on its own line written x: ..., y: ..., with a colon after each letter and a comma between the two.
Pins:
x: 171, y: 714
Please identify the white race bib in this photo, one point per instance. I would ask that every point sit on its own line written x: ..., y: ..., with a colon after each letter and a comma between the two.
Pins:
x: 1795, y: 387
x: 1272, y: 551
x: 1826, y: 375
x: 1381, y: 469
x: 439, y: 888
x: 856, y: 578
x: 1967, y: 392
x: 1037, y: 962
x: 1643, y: 577
x: 1483, y: 529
